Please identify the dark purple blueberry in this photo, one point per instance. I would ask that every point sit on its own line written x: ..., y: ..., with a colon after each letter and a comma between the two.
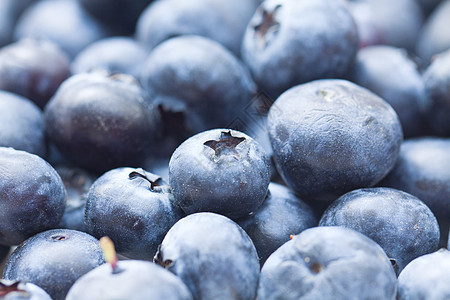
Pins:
x: 426, y: 277
x: 434, y: 36
x: 133, y: 280
x: 222, y: 21
x: 10, y: 11
x: 328, y: 263
x: 22, y: 124
x: 33, y: 69
x: 213, y: 256
x: 395, y: 23
x: 18, y: 290
x: 32, y: 196
x: 437, y: 88
x: 332, y: 136
x: 390, y: 73
x: 281, y: 215
x: 115, y: 55
x: 220, y: 170
x: 100, y: 122
x: 63, y: 22
x: 197, y: 83
x: 291, y: 42
x: 132, y: 207
x: 54, y: 260
x: 399, y: 222
x: 77, y: 182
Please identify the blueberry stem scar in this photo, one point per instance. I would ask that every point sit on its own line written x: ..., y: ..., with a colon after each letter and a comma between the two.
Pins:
x: 226, y: 141
x: 268, y: 24
x: 154, y: 182
x: 14, y: 287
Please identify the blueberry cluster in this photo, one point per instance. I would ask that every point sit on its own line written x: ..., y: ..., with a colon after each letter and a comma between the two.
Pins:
x: 212, y: 149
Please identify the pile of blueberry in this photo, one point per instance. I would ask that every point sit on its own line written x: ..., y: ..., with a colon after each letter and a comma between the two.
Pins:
x: 238, y: 149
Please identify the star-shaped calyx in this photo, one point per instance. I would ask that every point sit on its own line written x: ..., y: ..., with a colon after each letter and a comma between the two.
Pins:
x: 226, y: 143
x: 268, y: 25
x: 154, y: 180
x: 5, y: 289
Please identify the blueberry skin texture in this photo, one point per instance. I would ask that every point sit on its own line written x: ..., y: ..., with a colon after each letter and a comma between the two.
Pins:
x: 437, y: 88
x: 134, y: 208
x: 328, y: 263
x: 291, y: 42
x: 100, y: 122
x: 54, y: 260
x: 423, y: 170
x: 63, y: 22
x: 213, y: 256
x: 281, y: 215
x: 33, y: 69
x: 332, y: 136
x: 135, y: 280
x: 399, y: 222
x: 200, y: 78
x: 391, y: 74
x: 22, y: 124
x: 434, y: 36
x: 231, y: 180
x: 114, y: 54
x: 32, y: 196
x: 426, y: 277
x: 222, y: 21
x: 23, y: 291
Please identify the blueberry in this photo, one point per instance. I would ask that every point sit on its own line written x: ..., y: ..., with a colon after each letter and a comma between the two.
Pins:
x: 434, y: 37
x: 115, y: 55
x: 10, y: 11
x: 390, y: 73
x: 281, y: 215
x: 17, y: 290
x: 222, y: 21
x: 32, y: 196
x: 33, y: 69
x: 291, y: 42
x: 379, y: 22
x: 221, y: 171
x: 200, y: 79
x: 63, y: 22
x: 134, y: 208
x: 22, y: 124
x: 100, y: 122
x: 332, y: 136
x: 426, y: 277
x: 54, y: 260
x: 437, y: 87
x: 77, y: 183
x: 399, y: 222
x: 328, y: 263
x: 213, y: 256
x: 133, y: 280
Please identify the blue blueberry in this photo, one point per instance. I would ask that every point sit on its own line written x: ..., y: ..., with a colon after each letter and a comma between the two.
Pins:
x: 222, y: 21
x: 199, y: 79
x: 291, y: 42
x: 133, y: 280
x: 32, y: 196
x: 17, y: 290
x: 426, y: 277
x: 22, y: 124
x: 328, y: 263
x: 437, y: 87
x: 63, y: 22
x: 115, y: 55
x: 390, y: 73
x: 33, y: 69
x: 220, y: 170
x: 332, y: 136
x: 399, y: 222
x: 132, y: 207
x: 101, y: 122
x: 281, y: 215
x: 54, y: 260
x: 213, y: 256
